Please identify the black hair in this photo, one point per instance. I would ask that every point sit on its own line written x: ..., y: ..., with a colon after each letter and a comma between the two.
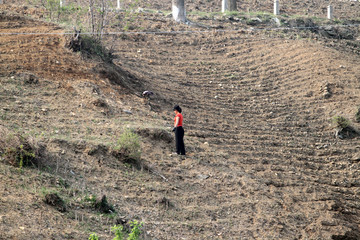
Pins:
x: 177, y: 108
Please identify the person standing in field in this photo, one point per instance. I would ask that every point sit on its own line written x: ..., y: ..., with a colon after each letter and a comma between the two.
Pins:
x: 179, y: 131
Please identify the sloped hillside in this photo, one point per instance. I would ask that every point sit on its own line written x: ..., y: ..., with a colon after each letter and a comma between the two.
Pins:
x: 72, y: 106
x: 263, y: 159
x: 262, y: 109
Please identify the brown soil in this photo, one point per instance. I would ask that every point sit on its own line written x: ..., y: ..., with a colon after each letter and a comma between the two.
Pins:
x: 263, y: 160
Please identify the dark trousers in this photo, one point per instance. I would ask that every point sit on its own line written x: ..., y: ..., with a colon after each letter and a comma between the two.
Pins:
x: 179, y: 137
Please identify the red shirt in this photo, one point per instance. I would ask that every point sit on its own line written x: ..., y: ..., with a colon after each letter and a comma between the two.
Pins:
x: 180, y: 119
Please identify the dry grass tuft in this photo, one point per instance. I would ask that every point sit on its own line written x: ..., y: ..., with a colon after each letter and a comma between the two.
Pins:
x: 128, y: 149
x: 18, y: 150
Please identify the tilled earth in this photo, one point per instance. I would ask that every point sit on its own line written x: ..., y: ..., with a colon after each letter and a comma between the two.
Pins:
x: 276, y: 170
x: 263, y: 160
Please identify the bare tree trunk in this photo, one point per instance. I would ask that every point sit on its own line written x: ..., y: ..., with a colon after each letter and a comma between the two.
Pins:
x: 228, y: 5
x: 98, y: 19
x: 178, y: 10
x: 103, y: 19
x: 92, y: 17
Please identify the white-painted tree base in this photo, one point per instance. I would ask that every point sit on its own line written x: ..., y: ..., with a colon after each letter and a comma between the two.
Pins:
x: 276, y: 7
x: 228, y: 5
x: 178, y: 11
x: 224, y: 6
x: 330, y: 12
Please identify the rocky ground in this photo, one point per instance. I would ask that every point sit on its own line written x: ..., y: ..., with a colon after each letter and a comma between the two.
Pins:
x: 264, y: 160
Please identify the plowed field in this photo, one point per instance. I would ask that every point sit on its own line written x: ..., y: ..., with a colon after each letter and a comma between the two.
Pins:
x: 257, y: 106
x: 263, y: 159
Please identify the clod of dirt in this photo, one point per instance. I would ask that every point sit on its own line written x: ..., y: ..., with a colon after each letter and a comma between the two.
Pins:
x: 254, y: 21
x: 124, y: 222
x: 276, y: 21
x: 100, y: 103
x: 53, y: 199
x: 121, y: 220
x: 325, y: 90
x: 165, y: 202
x: 347, y: 132
x: 337, y: 32
x: 155, y: 134
x: 28, y: 78
x: 302, y: 23
x: 104, y: 206
x: 100, y: 150
x: 351, y: 235
x: 356, y: 157
x: 128, y: 112
x: 202, y: 176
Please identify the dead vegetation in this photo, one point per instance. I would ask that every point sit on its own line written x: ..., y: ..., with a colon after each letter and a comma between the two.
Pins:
x: 89, y: 47
x: 20, y: 151
x: 343, y: 128
x: 54, y: 200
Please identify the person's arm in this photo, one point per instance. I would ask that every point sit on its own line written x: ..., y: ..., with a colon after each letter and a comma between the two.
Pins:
x: 177, y: 119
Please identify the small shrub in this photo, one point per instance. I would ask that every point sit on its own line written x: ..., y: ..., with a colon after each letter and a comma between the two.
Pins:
x: 104, y: 206
x: 52, y: 7
x: 90, y: 199
x: 19, y: 151
x: 133, y: 235
x: 341, y: 122
x: 91, y: 46
x: 53, y: 199
x: 93, y: 236
x: 128, y: 148
x: 119, y: 232
x: 135, y: 230
x: 20, y: 156
x: 343, y: 128
x: 130, y: 15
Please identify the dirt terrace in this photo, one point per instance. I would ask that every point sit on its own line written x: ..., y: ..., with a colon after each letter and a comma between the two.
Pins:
x: 257, y: 106
x: 263, y: 161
